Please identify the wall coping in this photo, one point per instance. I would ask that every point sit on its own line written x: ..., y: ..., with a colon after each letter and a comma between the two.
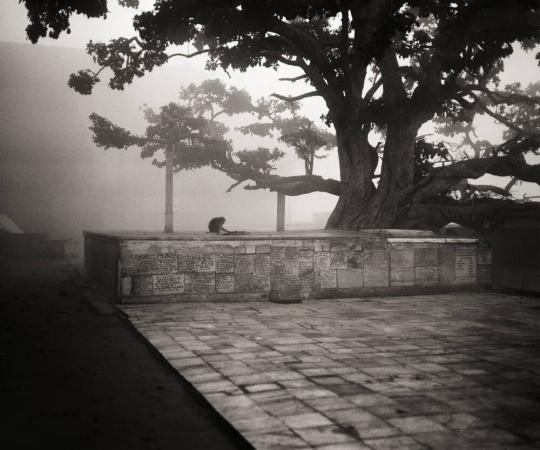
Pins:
x: 437, y: 240
x: 258, y: 235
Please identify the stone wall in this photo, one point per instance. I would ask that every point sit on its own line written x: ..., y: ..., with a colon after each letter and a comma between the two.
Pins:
x: 291, y: 269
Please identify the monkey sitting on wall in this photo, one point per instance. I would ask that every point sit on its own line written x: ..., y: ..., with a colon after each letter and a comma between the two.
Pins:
x: 216, y: 226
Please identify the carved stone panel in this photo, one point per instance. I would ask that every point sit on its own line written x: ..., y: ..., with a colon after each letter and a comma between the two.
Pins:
x: 260, y: 282
x: 338, y: 259
x: 202, y: 283
x: 327, y: 279
x: 261, y: 264
x: 224, y: 282
x: 277, y: 256
x: 305, y: 260
x: 347, y: 279
x: 224, y: 263
x: 307, y: 281
x: 447, y: 264
x: 466, y: 263
x: 426, y: 276
x: 355, y: 260
x: 263, y: 248
x: 244, y: 263
x: 376, y: 276
x: 402, y: 276
x: 168, y: 284
x: 143, y: 285
x: 167, y: 263
x: 277, y: 278
x: 243, y: 282
x: 375, y: 259
x: 426, y: 256
x: 321, y: 261
x: 403, y: 257
x: 139, y: 265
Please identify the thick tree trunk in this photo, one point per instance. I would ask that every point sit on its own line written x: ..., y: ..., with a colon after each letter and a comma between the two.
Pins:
x: 360, y: 204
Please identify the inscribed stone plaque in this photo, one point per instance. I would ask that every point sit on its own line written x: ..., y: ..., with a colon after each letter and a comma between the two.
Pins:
x: 375, y: 276
x: 240, y: 250
x: 224, y: 263
x: 244, y: 263
x: 375, y: 258
x: 305, y: 260
x: 426, y: 275
x: 402, y: 276
x: 167, y: 263
x: 187, y: 263
x: 338, y: 259
x: 277, y: 255
x: 328, y: 279
x: 447, y: 264
x: 206, y: 263
x: 243, y: 282
x: 261, y: 264
x: 350, y: 278
x: 466, y: 263
x: 143, y: 285
x: 169, y: 284
x: 355, y: 260
x: 403, y: 257
x: 140, y: 265
x: 277, y: 278
x: 260, y: 283
x: 224, y: 282
x: 321, y: 261
x: 201, y: 283
x: 262, y: 248
x: 426, y: 256
x: 307, y: 281
x: 291, y: 253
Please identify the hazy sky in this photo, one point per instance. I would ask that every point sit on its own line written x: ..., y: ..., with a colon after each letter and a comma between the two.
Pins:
x: 259, y: 82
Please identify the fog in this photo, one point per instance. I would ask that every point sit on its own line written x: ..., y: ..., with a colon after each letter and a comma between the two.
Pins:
x: 54, y: 179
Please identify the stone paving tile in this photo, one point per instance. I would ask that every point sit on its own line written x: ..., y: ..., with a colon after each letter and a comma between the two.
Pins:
x: 330, y: 434
x: 395, y: 443
x: 447, y: 371
x: 305, y: 420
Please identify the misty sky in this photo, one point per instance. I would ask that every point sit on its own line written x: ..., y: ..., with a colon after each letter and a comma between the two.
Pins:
x: 163, y: 86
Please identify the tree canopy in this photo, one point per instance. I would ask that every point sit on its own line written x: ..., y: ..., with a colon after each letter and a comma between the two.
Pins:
x: 383, y: 68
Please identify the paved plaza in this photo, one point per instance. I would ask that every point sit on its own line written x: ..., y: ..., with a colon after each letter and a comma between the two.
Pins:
x: 455, y: 371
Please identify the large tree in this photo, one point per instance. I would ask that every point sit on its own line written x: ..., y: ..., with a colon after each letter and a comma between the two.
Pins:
x: 383, y: 68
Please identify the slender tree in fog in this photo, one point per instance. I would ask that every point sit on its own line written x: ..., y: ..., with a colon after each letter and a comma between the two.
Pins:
x: 384, y: 68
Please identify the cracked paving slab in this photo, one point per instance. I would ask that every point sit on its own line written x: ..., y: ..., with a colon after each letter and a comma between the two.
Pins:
x: 442, y: 371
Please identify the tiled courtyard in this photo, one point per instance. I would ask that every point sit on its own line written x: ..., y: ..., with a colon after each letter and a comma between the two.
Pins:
x: 455, y: 371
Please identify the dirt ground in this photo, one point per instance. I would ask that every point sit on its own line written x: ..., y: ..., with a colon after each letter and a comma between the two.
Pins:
x: 74, y: 378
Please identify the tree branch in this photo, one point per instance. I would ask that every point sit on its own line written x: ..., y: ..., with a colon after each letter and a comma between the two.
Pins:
x: 293, y: 79
x: 445, y: 178
x: 288, y: 98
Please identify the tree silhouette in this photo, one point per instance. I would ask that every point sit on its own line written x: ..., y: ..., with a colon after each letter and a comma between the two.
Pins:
x: 384, y: 68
